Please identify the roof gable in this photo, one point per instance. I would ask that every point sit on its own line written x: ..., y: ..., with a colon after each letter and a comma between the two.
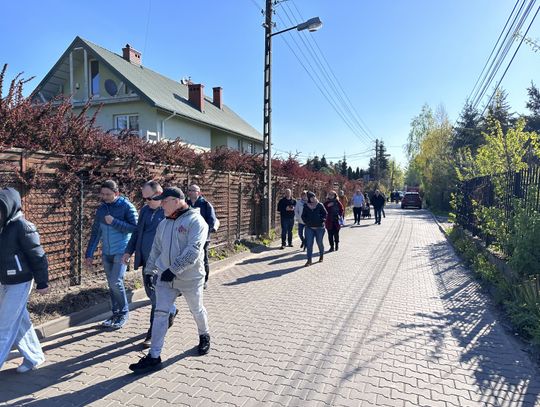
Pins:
x: 161, y: 92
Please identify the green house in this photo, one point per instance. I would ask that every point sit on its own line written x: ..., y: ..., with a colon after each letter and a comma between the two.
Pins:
x: 134, y: 97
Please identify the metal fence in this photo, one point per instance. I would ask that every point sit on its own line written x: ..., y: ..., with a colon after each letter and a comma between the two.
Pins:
x: 481, y: 191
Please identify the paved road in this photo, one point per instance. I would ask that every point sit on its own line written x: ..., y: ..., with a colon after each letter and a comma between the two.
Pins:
x: 392, y: 319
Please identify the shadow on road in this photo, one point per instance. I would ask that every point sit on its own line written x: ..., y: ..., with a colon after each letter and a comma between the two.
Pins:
x: 99, y: 390
x: 263, y: 276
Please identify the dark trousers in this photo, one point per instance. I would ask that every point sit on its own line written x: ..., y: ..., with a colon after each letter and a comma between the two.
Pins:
x: 206, y: 263
x: 378, y: 212
x: 357, y: 213
x: 333, y: 237
x: 287, y: 225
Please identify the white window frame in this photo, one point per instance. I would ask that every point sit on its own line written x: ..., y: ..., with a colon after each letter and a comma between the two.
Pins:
x: 127, y: 116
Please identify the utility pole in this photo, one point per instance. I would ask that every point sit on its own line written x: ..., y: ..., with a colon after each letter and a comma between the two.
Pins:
x: 267, y: 122
x: 377, y: 160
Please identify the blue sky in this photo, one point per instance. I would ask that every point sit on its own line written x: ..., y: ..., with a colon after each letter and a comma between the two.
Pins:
x: 390, y: 57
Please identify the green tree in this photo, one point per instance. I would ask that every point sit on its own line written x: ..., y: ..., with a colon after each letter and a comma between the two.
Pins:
x: 468, y: 130
x: 533, y: 104
x: 420, y: 127
x: 499, y: 110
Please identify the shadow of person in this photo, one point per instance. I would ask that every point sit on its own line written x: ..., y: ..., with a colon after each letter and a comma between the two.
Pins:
x: 98, y: 391
x: 17, y: 385
x: 262, y: 276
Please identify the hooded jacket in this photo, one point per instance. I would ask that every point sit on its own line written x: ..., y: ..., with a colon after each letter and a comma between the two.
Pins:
x: 115, y: 236
x: 21, y: 256
x: 178, y: 246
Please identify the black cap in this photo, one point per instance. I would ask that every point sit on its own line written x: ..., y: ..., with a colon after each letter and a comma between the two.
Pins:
x: 310, y: 194
x: 171, y: 191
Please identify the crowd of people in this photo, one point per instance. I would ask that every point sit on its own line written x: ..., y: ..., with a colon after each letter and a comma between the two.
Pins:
x: 314, y: 218
x: 169, y: 238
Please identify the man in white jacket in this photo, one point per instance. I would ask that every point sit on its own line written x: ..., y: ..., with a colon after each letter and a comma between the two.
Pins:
x: 177, y: 256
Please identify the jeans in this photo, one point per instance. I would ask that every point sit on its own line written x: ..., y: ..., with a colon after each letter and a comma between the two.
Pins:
x: 287, y: 225
x: 301, y: 233
x: 165, y: 297
x: 317, y: 234
x: 357, y: 213
x: 115, y: 270
x: 150, y: 291
x: 333, y: 237
x: 15, y: 325
x: 378, y: 212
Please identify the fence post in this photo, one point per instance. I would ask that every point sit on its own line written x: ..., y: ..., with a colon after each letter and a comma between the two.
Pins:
x: 77, y: 265
x: 239, y: 212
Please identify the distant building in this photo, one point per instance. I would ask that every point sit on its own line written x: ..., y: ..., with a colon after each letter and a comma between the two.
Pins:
x: 137, y: 98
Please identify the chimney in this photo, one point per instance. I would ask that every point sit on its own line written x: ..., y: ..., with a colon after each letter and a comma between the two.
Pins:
x: 218, y: 97
x: 196, y: 95
x: 131, y: 55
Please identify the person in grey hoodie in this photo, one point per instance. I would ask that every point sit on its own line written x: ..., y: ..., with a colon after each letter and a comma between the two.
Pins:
x: 140, y: 244
x: 22, y: 260
x: 177, y: 256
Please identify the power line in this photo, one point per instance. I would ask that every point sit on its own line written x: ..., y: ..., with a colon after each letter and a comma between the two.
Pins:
x: 307, y: 44
x: 511, y: 60
x: 323, y: 88
x: 497, y: 58
x: 314, y: 40
x: 492, y: 50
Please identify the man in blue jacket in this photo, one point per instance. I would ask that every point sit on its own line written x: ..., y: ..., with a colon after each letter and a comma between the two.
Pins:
x: 140, y: 243
x: 116, y: 219
x: 196, y: 200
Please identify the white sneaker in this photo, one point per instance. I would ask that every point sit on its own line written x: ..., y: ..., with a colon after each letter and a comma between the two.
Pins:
x: 26, y: 366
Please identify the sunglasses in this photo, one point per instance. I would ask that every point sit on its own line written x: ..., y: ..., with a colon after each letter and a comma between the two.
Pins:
x: 149, y: 199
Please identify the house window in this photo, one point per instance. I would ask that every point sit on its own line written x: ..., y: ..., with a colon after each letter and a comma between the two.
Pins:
x: 251, y: 149
x: 94, y: 78
x: 127, y: 122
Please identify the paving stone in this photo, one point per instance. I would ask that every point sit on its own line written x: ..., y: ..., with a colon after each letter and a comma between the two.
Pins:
x: 392, y: 319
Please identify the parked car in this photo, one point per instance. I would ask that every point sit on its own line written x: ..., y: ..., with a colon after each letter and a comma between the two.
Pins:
x: 411, y: 199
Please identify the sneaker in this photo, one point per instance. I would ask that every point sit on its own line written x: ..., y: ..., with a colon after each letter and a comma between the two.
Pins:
x: 172, y: 317
x: 204, y: 344
x: 321, y: 257
x: 331, y: 249
x: 282, y: 247
x: 308, y: 263
x: 302, y: 245
x: 119, y: 322
x: 27, y: 366
x: 291, y: 245
x: 146, y: 364
x: 108, y: 322
x: 205, y: 286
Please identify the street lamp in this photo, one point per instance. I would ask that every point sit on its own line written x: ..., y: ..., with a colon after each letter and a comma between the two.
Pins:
x: 313, y: 24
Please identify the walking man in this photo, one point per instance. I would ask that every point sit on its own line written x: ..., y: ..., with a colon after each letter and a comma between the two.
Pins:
x: 378, y: 202
x: 177, y: 256
x: 196, y: 200
x: 285, y: 208
x: 115, y: 220
x: 358, y: 203
x: 22, y: 260
x: 140, y: 243
x: 298, y: 209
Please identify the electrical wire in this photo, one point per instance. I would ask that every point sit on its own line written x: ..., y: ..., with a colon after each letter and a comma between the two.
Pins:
x: 337, y: 81
x: 511, y: 60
